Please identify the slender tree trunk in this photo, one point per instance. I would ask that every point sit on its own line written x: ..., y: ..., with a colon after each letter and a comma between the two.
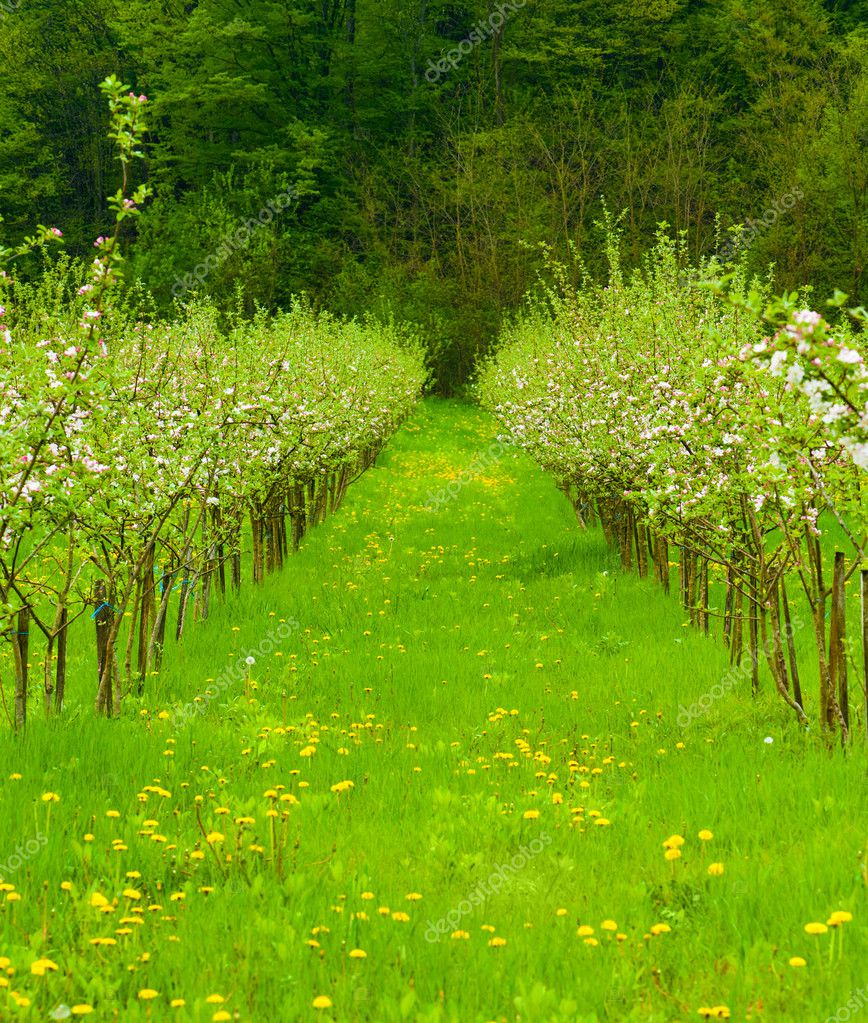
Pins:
x: 727, y: 607
x: 838, y: 642
x: 221, y: 559
x: 158, y: 632
x: 60, y: 674
x: 737, y: 646
x: 791, y: 646
x: 705, y: 618
x: 864, y: 596
x: 778, y: 646
x: 257, y: 529
x: 641, y: 549
x: 753, y: 625
x: 20, y: 652
x: 103, y: 619
x: 146, y: 614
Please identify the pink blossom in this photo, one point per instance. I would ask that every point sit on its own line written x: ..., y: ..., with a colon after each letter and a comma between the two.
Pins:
x: 807, y: 317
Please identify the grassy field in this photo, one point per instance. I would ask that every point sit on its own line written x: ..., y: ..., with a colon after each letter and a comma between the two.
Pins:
x: 443, y: 795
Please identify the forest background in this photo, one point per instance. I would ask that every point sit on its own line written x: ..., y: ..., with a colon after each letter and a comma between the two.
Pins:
x: 421, y: 159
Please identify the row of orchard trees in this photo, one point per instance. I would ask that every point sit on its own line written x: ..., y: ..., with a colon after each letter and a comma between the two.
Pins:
x: 135, y: 474
x: 717, y: 420
x: 139, y: 460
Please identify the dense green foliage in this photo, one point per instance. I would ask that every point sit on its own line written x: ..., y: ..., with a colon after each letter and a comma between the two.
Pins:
x: 430, y: 192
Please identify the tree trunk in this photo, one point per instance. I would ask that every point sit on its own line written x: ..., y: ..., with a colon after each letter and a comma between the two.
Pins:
x: 103, y: 618
x: 60, y: 674
x: 838, y: 642
x: 20, y: 651
x: 791, y: 646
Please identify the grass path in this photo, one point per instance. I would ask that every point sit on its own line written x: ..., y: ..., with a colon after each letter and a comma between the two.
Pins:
x: 470, y: 750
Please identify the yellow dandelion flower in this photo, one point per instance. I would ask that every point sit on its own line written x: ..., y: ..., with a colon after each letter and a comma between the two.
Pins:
x: 41, y: 966
x: 148, y: 993
x: 705, y: 835
x: 797, y: 961
x: 530, y: 815
x: 815, y: 928
x: 840, y: 916
x: 358, y: 953
x: 322, y: 1002
x: 673, y: 854
x: 660, y: 929
x: 715, y: 869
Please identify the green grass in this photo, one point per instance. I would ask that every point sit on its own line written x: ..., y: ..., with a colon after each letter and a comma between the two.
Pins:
x: 429, y: 643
